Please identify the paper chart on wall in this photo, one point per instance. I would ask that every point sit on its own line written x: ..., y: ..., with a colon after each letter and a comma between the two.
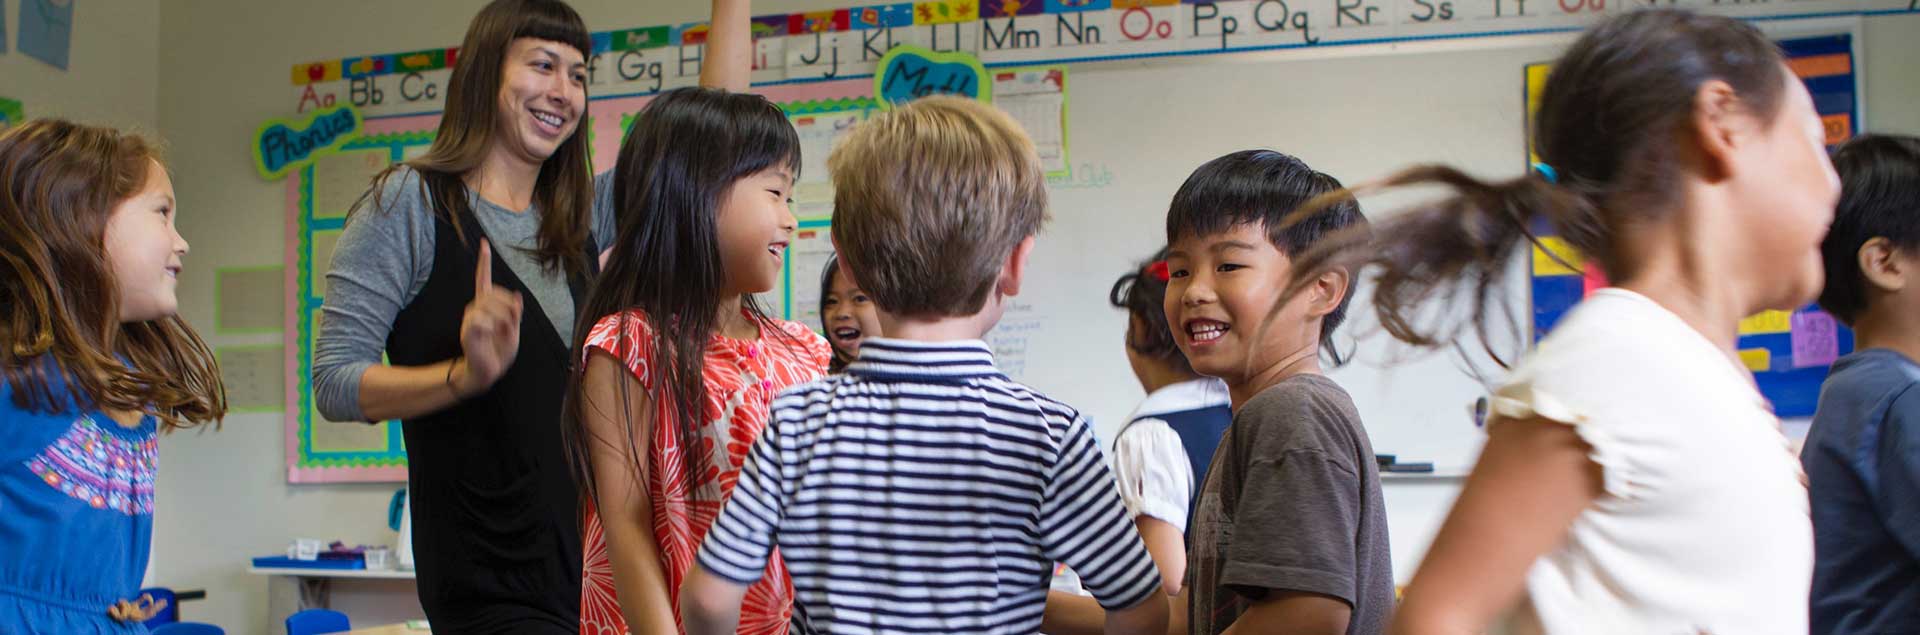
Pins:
x: 340, y: 179
x: 819, y: 134
x: 1012, y: 338
x: 252, y: 377
x: 249, y: 299
x: 1037, y: 98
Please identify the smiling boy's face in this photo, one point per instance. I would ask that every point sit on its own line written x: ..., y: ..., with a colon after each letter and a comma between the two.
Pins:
x: 1220, y: 288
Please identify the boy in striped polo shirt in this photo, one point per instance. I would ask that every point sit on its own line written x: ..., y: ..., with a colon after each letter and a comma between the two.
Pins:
x: 923, y: 491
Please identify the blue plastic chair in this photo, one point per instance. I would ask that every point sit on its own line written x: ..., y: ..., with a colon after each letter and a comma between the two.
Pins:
x: 167, y: 615
x: 317, y: 622
x: 188, y: 628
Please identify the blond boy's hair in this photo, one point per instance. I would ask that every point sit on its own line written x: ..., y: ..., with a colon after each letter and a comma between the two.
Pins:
x: 930, y: 200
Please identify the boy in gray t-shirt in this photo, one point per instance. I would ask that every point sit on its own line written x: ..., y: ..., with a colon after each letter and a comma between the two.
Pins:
x: 1292, y: 503
x: 1289, y: 534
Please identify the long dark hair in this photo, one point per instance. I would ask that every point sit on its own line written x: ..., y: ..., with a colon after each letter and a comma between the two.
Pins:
x: 1609, y: 116
x: 685, y: 150
x: 564, y: 190
x: 59, y: 315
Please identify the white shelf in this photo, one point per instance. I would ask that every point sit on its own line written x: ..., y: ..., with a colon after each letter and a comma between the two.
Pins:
x: 369, y: 574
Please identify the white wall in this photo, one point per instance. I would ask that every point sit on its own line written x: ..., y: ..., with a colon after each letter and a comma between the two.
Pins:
x: 223, y: 69
x: 112, y: 70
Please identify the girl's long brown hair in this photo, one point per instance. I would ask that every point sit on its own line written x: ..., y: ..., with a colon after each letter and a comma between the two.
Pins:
x: 1609, y: 125
x: 61, y: 341
x: 564, y: 190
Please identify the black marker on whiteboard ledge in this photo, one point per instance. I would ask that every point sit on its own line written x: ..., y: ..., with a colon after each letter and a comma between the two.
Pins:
x: 1391, y: 464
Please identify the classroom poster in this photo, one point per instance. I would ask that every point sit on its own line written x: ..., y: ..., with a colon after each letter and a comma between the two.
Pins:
x: 46, y: 30
x: 1789, y: 352
x: 321, y: 193
x: 1037, y: 98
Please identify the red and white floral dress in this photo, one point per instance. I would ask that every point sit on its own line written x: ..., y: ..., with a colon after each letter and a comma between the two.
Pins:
x: 742, y: 378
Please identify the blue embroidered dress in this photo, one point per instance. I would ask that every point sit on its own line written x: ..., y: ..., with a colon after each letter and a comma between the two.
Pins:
x: 76, y: 517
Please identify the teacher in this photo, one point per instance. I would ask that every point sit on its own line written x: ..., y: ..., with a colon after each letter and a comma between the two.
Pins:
x: 464, y: 266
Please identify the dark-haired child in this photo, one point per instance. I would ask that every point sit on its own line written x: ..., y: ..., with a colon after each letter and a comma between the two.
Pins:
x: 1863, y: 454
x: 1161, y: 455
x: 677, y: 361
x: 1163, y: 451
x: 848, y: 315
x: 1289, y: 534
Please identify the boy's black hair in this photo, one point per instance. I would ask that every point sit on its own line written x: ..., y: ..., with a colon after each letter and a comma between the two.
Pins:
x: 1261, y: 187
x: 1879, y: 197
x: 1143, y: 293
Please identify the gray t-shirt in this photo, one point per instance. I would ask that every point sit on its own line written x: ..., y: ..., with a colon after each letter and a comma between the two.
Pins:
x: 383, y: 260
x: 1291, y: 503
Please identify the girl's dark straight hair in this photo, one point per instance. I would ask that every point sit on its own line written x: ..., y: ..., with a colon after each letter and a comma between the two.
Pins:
x: 684, y: 151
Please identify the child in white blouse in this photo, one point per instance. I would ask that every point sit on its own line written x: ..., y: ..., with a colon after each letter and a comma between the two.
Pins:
x: 1162, y: 453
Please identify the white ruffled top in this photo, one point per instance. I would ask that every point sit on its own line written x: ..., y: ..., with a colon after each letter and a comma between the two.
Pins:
x: 1703, y: 526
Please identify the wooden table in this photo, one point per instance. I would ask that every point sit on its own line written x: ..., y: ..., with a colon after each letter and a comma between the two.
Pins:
x: 390, y: 629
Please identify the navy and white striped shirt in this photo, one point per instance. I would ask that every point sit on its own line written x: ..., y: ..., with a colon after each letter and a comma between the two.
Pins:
x: 924, y: 491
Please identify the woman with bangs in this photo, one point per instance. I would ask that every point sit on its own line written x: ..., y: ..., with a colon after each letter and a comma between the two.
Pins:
x: 464, y: 267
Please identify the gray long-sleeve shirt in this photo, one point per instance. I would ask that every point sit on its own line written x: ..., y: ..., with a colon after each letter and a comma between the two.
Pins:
x: 383, y: 260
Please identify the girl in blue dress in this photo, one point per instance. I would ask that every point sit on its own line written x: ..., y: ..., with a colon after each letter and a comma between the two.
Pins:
x: 94, y: 362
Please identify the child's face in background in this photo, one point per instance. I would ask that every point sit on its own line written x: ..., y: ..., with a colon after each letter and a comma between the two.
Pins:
x: 1786, y: 185
x: 755, y: 226
x: 145, y: 250
x: 851, y: 316
x: 1220, y: 288
x: 543, y: 91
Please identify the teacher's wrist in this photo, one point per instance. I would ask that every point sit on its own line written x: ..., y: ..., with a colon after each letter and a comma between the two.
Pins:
x: 460, y: 379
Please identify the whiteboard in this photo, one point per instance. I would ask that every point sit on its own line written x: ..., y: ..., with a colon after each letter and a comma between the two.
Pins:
x: 1357, y: 117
